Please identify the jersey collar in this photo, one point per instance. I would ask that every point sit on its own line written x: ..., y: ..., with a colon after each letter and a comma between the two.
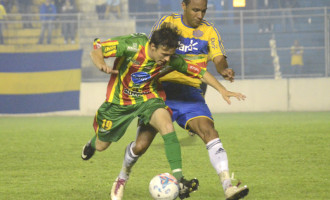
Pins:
x: 185, y: 24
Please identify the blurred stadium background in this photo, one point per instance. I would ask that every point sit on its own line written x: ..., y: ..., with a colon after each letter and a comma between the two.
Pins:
x: 257, y: 34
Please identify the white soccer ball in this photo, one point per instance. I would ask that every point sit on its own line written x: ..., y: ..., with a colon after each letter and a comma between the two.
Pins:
x: 164, y: 187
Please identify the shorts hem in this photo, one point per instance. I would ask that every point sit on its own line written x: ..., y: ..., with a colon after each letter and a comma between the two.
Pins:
x: 186, y: 125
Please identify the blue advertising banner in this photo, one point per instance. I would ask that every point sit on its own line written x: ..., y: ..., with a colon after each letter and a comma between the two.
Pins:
x: 39, y: 82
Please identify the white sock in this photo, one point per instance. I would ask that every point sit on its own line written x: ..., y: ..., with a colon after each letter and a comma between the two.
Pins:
x: 129, y: 160
x: 219, y: 161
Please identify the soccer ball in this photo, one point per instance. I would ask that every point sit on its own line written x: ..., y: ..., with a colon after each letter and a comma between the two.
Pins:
x: 164, y: 187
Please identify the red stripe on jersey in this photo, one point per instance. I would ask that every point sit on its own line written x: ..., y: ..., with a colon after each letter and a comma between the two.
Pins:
x: 109, y: 42
x: 161, y: 92
x: 112, y: 80
x: 127, y: 79
x: 95, y: 125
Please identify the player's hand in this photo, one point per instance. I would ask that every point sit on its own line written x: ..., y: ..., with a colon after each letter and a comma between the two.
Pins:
x: 228, y: 74
x: 108, y: 70
x: 226, y: 96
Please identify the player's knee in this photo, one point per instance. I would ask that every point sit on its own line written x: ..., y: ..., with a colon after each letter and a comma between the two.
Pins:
x: 101, y: 146
x: 140, y: 148
x: 167, y: 128
x: 207, y: 133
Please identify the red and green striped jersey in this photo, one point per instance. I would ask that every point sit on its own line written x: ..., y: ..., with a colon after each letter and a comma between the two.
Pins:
x: 137, y: 80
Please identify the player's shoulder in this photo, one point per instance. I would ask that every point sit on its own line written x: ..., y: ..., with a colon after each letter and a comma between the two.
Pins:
x: 171, y: 17
x: 207, y: 24
x: 138, y: 37
x: 208, y: 27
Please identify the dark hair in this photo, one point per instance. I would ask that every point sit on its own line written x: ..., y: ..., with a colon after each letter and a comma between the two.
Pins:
x: 168, y: 36
x: 187, y: 2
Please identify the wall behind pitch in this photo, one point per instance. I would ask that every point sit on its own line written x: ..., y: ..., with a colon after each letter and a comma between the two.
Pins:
x: 262, y: 96
x: 274, y: 95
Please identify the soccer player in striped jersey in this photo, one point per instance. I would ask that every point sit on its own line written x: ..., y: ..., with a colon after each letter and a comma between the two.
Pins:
x: 200, y: 42
x: 134, y: 90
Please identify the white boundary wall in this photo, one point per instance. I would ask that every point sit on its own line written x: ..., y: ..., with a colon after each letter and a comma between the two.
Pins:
x: 262, y: 96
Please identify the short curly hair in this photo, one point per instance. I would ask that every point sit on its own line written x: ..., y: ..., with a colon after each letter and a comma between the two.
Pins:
x: 167, y: 35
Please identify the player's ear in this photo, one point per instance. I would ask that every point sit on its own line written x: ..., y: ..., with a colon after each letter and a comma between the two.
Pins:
x: 183, y: 5
x: 153, y: 47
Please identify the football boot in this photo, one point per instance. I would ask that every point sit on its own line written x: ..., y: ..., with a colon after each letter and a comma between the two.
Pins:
x: 187, y: 187
x: 236, y: 192
x: 117, y: 190
x: 88, y: 151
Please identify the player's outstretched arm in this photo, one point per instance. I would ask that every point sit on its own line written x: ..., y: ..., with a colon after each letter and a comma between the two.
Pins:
x: 209, y: 79
x: 221, y: 65
x: 98, y: 60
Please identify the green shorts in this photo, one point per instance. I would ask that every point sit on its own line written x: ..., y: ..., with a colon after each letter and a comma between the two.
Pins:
x: 112, y: 120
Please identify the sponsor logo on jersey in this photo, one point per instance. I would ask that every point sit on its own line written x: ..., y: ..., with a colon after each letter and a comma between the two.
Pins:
x: 213, y: 44
x: 194, y: 69
x: 192, y: 46
x: 133, y: 48
x: 135, y: 93
x: 140, y: 77
x: 102, y: 130
x: 111, y: 48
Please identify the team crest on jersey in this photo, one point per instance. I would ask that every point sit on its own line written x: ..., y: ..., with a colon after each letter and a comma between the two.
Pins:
x: 198, y: 33
x: 140, y: 77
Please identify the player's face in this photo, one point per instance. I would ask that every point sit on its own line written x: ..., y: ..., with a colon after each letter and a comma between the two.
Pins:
x: 194, y: 12
x: 161, y: 55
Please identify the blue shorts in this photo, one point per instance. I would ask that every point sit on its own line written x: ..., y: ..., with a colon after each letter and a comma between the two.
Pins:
x: 186, y: 102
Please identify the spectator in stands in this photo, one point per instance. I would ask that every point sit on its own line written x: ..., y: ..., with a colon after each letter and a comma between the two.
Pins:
x: 58, y: 5
x: 8, y: 4
x: 2, y: 19
x: 264, y: 20
x: 297, y: 62
x: 47, y: 16
x: 113, y: 5
x: 24, y: 7
x: 287, y: 6
x: 100, y: 6
x: 69, y: 21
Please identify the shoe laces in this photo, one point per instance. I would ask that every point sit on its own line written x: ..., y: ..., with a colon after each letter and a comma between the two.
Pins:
x: 239, y: 183
x: 120, y: 182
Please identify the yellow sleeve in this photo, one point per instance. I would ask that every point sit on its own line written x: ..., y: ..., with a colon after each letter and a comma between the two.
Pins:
x: 178, y: 77
x: 215, y: 43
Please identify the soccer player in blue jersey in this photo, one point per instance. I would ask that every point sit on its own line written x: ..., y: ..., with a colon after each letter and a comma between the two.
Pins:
x: 200, y: 43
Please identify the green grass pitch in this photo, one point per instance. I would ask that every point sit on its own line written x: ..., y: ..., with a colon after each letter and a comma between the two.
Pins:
x: 280, y: 156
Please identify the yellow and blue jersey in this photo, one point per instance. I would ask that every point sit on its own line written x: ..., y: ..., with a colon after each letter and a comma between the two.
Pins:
x: 199, y: 45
